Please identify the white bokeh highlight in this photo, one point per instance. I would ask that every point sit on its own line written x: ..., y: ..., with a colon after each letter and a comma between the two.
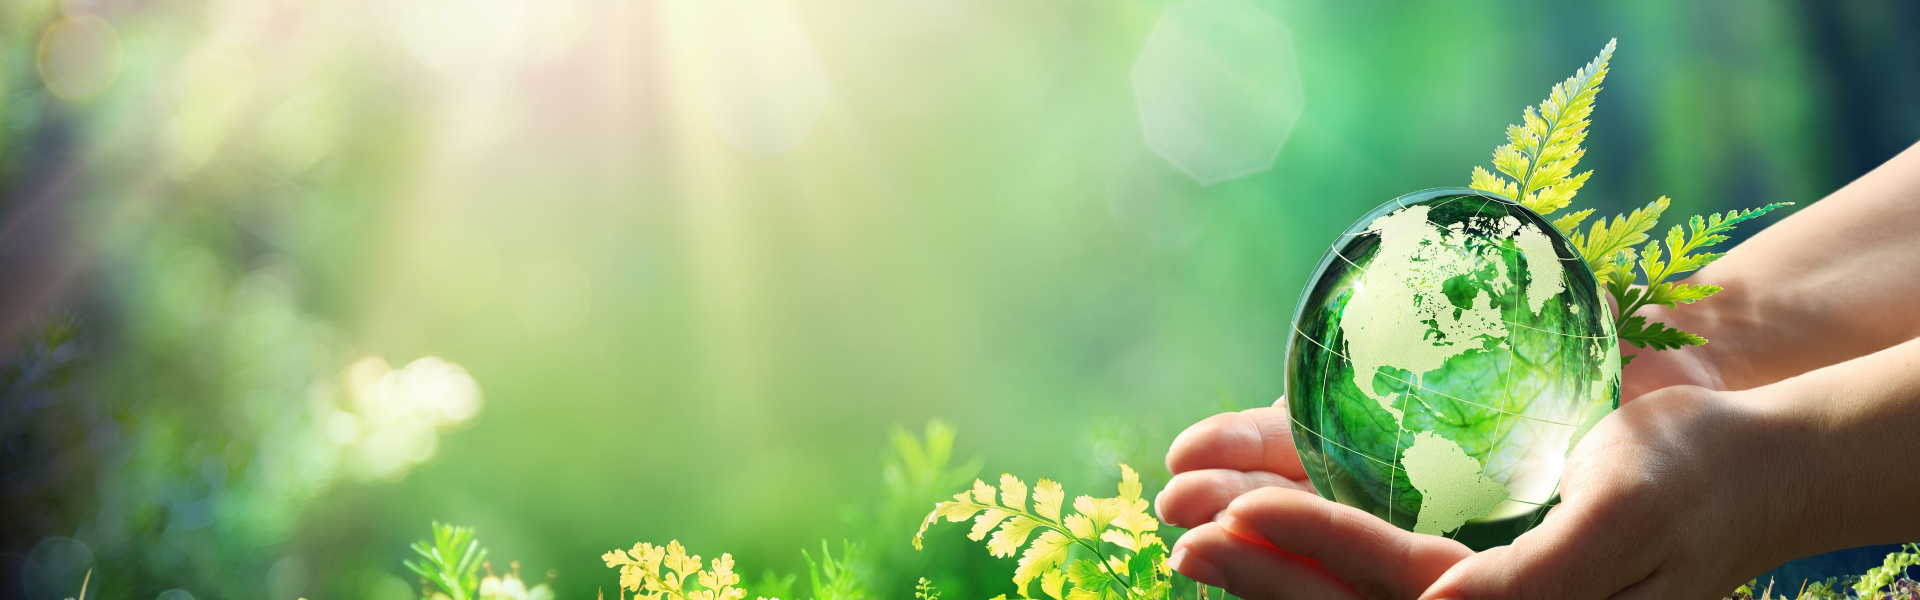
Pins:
x: 395, y: 416
x: 764, y: 88
x: 1218, y: 88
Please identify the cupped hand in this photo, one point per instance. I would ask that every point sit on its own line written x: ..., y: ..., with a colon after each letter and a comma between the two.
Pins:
x: 1259, y: 530
x: 1681, y: 493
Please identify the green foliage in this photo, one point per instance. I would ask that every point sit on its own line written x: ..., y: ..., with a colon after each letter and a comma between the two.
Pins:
x: 835, y: 579
x: 1889, y: 572
x: 1121, y: 556
x: 663, y: 573
x: 1655, y: 335
x: 774, y: 585
x: 451, y: 561
x: 925, y: 590
x: 918, y: 471
x: 1537, y: 164
x: 511, y: 587
x: 1541, y: 152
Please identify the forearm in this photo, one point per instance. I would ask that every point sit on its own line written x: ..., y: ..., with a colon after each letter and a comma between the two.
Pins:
x: 1850, y: 438
x: 1837, y: 280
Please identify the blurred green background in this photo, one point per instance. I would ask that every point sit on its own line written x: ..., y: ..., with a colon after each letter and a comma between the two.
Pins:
x: 284, y: 280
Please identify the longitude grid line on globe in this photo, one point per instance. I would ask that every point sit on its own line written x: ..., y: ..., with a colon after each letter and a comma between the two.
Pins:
x: 1363, y: 270
x: 1443, y: 394
x: 1325, y: 399
x: 1413, y: 389
x: 1505, y: 366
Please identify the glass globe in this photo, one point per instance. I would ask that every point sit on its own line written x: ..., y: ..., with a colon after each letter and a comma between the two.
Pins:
x: 1449, y: 351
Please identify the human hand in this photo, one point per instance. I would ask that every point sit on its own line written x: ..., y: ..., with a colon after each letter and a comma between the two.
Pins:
x: 1259, y: 530
x: 1683, y: 493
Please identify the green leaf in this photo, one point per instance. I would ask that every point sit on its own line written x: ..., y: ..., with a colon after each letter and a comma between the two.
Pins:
x: 1046, y: 553
x: 1542, y: 151
x: 1641, y: 333
x: 1087, y: 575
x: 1151, y: 559
x: 1605, y: 239
x: 1672, y: 294
x: 1569, y: 223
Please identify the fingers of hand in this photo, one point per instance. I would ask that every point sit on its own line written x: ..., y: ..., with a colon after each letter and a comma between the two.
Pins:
x: 1194, y: 497
x: 1259, y: 439
x: 1375, y: 557
x: 1252, y: 569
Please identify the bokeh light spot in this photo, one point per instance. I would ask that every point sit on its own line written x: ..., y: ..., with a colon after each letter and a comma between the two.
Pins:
x: 79, y: 57
x: 56, y: 568
x: 175, y: 594
x: 764, y: 88
x: 1218, y: 88
x: 400, y: 413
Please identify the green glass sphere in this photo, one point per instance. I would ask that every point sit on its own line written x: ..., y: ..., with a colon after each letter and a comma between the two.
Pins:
x: 1449, y: 351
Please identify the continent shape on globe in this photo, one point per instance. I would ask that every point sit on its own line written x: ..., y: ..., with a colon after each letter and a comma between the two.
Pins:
x: 1447, y: 353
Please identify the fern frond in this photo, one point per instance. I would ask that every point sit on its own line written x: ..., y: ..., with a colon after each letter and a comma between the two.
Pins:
x: 1541, y: 152
x: 1128, y: 557
x: 1569, y: 223
x: 663, y: 573
x: 1602, y: 245
x: 1640, y: 332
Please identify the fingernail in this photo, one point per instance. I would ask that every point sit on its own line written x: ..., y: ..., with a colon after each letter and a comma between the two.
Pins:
x: 1196, y: 568
x: 1226, y: 520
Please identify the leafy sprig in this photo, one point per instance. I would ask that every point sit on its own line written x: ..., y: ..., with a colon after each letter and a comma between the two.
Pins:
x: 1541, y: 152
x: 1125, y: 559
x: 1536, y: 169
x: 663, y: 573
x: 835, y: 579
x: 451, y: 561
x: 1890, y: 571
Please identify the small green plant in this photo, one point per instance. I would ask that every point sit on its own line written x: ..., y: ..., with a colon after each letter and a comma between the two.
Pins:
x: 1889, y: 572
x: 835, y: 579
x: 1122, y: 557
x: 451, y: 561
x: 1536, y: 169
x: 511, y: 587
x: 663, y: 573
x: 925, y: 590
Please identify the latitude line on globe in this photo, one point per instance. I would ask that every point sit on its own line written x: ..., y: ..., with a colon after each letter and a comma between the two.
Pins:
x: 1363, y: 270
x: 1329, y: 440
x: 1424, y: 388
x: 1323, y: 437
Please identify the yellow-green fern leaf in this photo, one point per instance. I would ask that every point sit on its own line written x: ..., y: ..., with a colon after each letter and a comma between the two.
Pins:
x: 1007, y: 540
x: 1052, y: 582
x: 1569, y: 224
x: 1604, y: 239
x: 1047, y: 497
x: 1046, y: 554
x: 986, y: 522
x: 1541, y: 152
x: 1013, y: 492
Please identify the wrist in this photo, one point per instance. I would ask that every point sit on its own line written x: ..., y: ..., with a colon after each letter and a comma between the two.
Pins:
x: 1778, y: 452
